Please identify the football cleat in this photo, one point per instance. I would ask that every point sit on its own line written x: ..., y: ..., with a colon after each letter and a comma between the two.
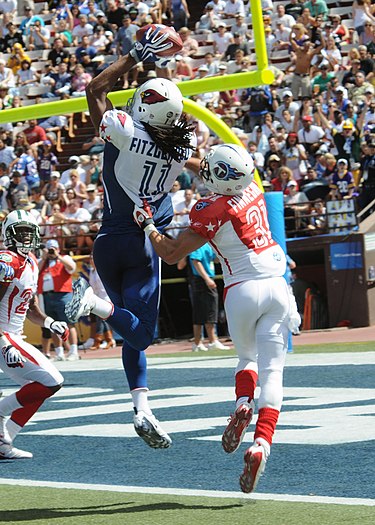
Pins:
x: 237, y: 426
x: 9, y: 452
x: 4, y: 435
x: 82, y: 301
x: 148, y: 428
x: 255, y: 462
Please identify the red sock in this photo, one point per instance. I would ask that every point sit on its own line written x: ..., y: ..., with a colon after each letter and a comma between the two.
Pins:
x: 246, y: 381
x: 266, y: 424
x: 31, y: 397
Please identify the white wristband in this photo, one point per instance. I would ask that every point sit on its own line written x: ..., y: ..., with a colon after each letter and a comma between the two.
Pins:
x: 149, y: 229
x: 47, y: 322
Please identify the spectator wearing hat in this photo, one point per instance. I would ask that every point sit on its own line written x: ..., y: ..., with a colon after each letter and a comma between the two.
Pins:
x: 282, y: 35
x: 237, y: 44
x: 46, y: 162
x: 342, y: 184
x: 54, y: 192
x: 17, y: 190
x: 92, y: 201
x: 322, y: 80
x: 260, y: 102
x: 210, y: 97
x: 29, y: 20
x: 74, y: 164
x: 310, y: 136
x: 221, y: 40
x: 270, y: 39
x: 101, y: 21
x: 348, y: 79
x: 189, y: 44
x: 55, y: 285
x: 287, y: 103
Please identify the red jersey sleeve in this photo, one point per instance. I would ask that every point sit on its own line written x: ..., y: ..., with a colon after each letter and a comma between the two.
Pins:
x: 208, y: 215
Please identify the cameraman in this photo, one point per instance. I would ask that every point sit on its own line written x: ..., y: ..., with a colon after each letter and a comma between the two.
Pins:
x: 55, y: 283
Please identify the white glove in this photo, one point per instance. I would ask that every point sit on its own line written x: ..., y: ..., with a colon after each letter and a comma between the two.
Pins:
x: 13, y: 357
x: 294, y: 317
x: 153, y: 41
x: 6, y: 272
x: 60, y: 328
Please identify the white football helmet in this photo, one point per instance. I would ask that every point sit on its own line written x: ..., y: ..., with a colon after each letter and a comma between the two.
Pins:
x: 20, y: 231
x: 157, y: 102
x: 227, y: 169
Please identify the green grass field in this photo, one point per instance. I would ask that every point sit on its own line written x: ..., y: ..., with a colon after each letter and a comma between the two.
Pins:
x: 368, y: 346
x: 42, y: 506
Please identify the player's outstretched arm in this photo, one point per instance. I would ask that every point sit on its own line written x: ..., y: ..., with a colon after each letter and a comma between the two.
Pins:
x: 100, y: 86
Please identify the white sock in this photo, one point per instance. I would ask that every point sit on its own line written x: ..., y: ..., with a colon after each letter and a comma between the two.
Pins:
x: 8, y: 404
x: 102, y: 308
x: 241, y: 401
x: 73, y: 350
x: 140, y: 400
x: 264, y: 444
x: 13, y: 429
x: 59, y: 350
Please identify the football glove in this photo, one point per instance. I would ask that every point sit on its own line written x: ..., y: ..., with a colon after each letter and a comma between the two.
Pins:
x: 12, y: 357
x: 6, y: 272
x: 143, y: 216
x: 152, y: 42
x: 162, y: 62
x: 60, y: 328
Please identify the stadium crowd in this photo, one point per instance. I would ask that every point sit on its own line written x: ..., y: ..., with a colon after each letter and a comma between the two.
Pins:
x: 311, y: 133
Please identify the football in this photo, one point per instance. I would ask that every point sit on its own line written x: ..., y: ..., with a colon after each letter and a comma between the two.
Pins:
x: 173, y: 37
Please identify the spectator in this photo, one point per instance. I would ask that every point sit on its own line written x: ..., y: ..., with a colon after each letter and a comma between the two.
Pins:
x: 25, y: 164
x: 6, y: 153
x: 60, y: 81
x: 183, y: 70
x: 283, y: 176
x: 221, y: 40
x: 21, y: 140
x: 26, y: 77
x: 204, y: 298
x: 58, y: 54
x: 80, y: 81
x: 13, y: 36
x: 317, y: 7
x: 125, y: 38
x: 93, y: 200
x: 339, y: 30
x: 218, y: 7
x: 47, y: 162
x: 362, y: 14
x: 367, y: 37
x: 297, y: 206
x: 310, y: 136
x: 39, y: 36
x: 294, y: 156
x: 54, y: 191
x: 207, y: 22
x: 304, y: 53
x: 82, y: 29
x: 94, y: 225
x: 64, y: 31
x: 367, y: 64
x: 237, y: 45
x: 55, y: 284
x: 180, y: 13
x: 318, y: 218
x: 189, y: 44
x: 52, y: 125
x: 260, y: 102
x: 17, y: 56
x: 115, y: 13
x: 294, y: 8
x: 29, y: 20
x: 94, y: 146
x: 35, y: 134
x: 342, y: 184
x: 333, y: 55
x: 367, y: 194
x: 181, y: 213
x: 233, y: 7
x: 76, y: 226
x: 241, y: 27
x: 17, y: 190
x: 257, y: 157
x: 77, y: 185
x: 321, y: 81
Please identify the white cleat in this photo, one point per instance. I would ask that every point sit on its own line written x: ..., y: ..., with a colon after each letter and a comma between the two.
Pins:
x: 82, y: 301
x: 149, y: 429
x: 217, y: 345
x: 4, y: 435
x: 255, y: 462
x: 199, y: 348
x: 8, y: 452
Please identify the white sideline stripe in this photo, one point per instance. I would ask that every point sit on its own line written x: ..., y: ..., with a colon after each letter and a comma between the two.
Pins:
x: 189, y: 492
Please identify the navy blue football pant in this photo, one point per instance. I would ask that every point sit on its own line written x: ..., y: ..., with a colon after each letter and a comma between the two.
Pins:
x: 130, y: 272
